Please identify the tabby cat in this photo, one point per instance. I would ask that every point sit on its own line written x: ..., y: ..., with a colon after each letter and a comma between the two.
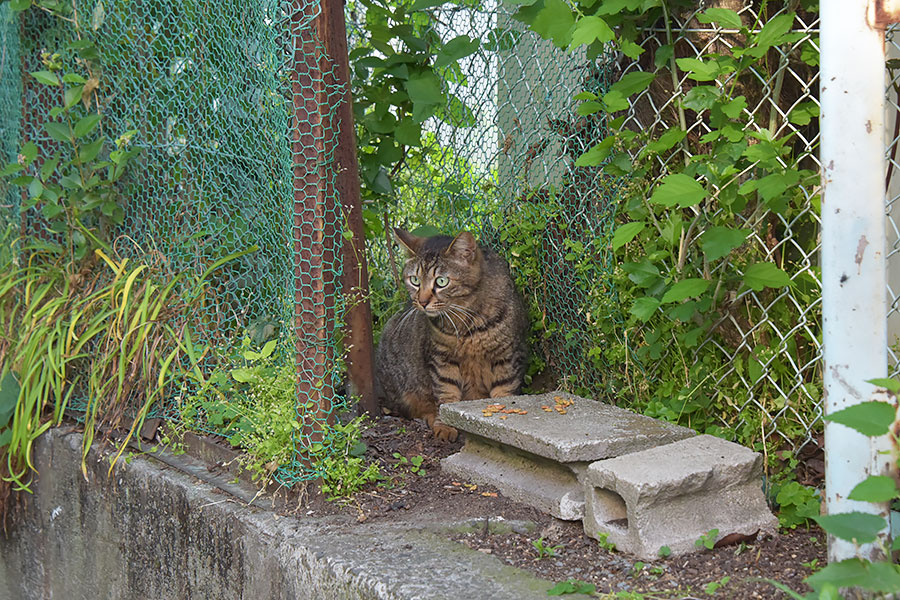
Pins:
x: 462, y: 338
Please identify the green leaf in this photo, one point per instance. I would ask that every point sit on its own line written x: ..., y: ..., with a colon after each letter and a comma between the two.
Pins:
x: 596, y: 155
x: 666, y: 141
x: 455, y: 49
x: 803, y: 113
x: 423, y: 4
x: 19, y: 5
x: 73, y: 95
x: 857, y: 573
x: 46, y: 77
x: 632, y: 83
x: 591, y: 29
x: 58, y: 131
x: 627, y: 232
x: 723, y: 16
x: 643, y: 308
x: 868, y: 418
x: 698, y: 69
x: 11, y: 169
x: 243, y: 375
x: 382, y: 183
x: 555, y: 22
x: 409, y: 132
x: 774, y: 30
x: 701, y: 97
x: 425, y: 92
x: 29, y: 152
x: 89, y: 152
x: 73, y: 78
x: 588, y: 108
x: 679, y: 189
x: 888, y: 383
x: 875, y: 488
x: 9, y: 397
x: 687, y: 288
x: 49, y: 166
x: 613, y: 101
x: 572, y: 586
x: 765, y: 274
x: 86, y: 125
x: 857, y: 527
x: 643, y: 273
x: 717, y: 242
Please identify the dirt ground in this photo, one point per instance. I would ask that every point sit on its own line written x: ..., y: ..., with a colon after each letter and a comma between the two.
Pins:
x: 736, y: 571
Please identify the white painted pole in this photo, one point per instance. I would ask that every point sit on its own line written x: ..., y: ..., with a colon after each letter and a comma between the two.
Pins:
x: 854, y: 307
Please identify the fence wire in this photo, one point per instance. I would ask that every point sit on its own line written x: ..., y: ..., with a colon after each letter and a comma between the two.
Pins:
x: 507, y: 172
x: 230, y: 105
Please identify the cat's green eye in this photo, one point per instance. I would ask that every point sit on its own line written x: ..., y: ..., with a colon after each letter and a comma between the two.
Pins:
x: 414, y: 280
x: 442, y: 281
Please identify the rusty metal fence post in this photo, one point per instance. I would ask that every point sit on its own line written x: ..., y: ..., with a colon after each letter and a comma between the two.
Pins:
x: 315, y: 254
x: 328, y: 238
x: 355, y: 276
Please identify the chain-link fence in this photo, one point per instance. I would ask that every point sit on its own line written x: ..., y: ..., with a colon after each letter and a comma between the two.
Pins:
x: 768, y: 343
x: 231, y: 106
x: 506, y: 170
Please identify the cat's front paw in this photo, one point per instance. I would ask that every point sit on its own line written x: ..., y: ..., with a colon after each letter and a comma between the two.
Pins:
x: 444, y: 432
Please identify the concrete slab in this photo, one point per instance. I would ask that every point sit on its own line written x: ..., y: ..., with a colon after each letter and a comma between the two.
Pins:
x: 588, y: 430
x: 672, y: 495
x: 535, y: 448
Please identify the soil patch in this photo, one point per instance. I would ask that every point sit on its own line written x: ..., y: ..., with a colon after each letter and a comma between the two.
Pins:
x: 737, y: 571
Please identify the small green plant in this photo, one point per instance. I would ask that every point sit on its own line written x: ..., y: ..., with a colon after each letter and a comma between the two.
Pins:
x: 708, y: 539
x: 714, y: 586
x: 797, y: 504
x: 664, y: 552
x: 414, y: 463
x: 544, y: 550
x: 340, y: 460
x: 571, y: 586
x: 811, y: 565
x: 637, y: 568
x: 603, y: 541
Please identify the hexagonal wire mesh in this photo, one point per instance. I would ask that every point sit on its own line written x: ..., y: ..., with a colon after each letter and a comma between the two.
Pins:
x: 506, y: 171
x: 232, y: 103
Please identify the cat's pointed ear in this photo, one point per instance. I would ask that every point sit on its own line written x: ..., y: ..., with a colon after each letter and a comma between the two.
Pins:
x: 464, y: 247
x: 411, y: 243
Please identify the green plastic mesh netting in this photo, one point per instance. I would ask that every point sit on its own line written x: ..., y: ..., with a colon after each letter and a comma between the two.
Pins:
x: 232, y: 103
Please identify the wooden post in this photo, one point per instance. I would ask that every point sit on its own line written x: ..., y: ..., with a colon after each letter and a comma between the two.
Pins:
x: 355, y: 278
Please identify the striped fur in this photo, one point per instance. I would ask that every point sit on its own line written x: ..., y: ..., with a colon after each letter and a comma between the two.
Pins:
x: 461, y: 338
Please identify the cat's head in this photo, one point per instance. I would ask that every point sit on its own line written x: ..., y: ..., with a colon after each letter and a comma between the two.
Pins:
x: 441, y: 271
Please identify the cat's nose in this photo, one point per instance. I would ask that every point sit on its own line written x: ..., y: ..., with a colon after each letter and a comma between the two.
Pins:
x: 424, y: 298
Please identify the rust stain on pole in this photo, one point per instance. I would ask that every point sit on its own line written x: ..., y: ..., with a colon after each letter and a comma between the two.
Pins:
x: 355, y: 278
x: 882, y: 13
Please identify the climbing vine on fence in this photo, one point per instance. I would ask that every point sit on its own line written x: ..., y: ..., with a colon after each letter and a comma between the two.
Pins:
x: 718, y: 222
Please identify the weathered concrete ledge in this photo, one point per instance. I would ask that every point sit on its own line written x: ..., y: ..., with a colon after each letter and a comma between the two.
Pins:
x: 153, y: 531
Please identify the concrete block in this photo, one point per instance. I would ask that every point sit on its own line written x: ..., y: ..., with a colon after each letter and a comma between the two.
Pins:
x: 587, y: 431
x: 539, y: 482
x: 672, y: 495
x: 538, y: 454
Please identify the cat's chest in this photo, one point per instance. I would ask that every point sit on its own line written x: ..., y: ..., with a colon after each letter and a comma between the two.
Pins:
x: 465, y: 351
